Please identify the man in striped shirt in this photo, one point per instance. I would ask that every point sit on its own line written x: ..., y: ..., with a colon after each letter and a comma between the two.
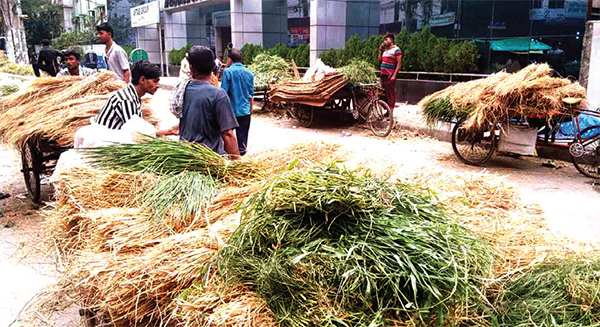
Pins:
x: 126, y: 103
x: 390, y: 57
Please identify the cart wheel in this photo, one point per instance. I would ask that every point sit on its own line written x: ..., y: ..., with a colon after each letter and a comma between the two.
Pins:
x: 289, y: 109
x: 304, y: 114
x: 586, y: 154
x: 380, y: 119
x: 31, y: 161
x: 473, y: 147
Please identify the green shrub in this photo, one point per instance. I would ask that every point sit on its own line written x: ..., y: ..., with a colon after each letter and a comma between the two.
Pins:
x: 301, y: 55
x: 177, y: 55
x: 249, y: 52
x: 128, y: 49
x: 423, y: 51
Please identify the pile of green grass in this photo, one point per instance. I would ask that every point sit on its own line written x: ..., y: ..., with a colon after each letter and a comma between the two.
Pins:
x: 269, y: 69
x: 328, y: 247
x: 8, y: 89
x: 554, y: 293
x: 359, y: 72
x: 164, y: 157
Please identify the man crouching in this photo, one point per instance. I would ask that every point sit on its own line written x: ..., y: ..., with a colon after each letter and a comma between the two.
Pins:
x: 204, y: 112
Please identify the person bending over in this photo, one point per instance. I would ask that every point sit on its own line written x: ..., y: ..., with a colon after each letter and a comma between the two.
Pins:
x: 126, y: 103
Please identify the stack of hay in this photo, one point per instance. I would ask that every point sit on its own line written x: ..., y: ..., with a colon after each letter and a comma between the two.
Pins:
x: 310, y: 93
x: 530, y: 92
x: 54, y: 108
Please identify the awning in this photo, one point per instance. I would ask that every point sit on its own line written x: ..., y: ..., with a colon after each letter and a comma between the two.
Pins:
x: 519, y: 44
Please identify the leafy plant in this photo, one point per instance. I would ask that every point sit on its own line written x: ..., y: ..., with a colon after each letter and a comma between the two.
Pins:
x: 177, y: 55
x: 249, y: 52
x: 422, y: 50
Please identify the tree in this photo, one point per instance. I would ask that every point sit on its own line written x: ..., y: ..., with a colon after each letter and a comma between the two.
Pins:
x: 44, y: 20
x: 15, y: 32
x: 74, y: 39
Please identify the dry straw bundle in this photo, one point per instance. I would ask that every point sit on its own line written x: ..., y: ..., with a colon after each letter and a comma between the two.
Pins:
x: 491, y: 207
x: 530, y: 92
x: 216, y: 303
x: 54, y: 108
x: 137, y: 288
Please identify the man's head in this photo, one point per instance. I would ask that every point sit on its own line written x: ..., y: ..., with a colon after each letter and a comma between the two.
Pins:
x: 229, y: 45
x: 72, y: 57
x: 104, y: 32
x: 46, y: 42
x: 235, y: 56
x: 202, y: 60
x: 388, y: 39
x: 147, y: 75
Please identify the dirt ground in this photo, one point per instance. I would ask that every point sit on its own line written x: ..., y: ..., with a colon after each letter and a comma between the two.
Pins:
x: 568, y: 199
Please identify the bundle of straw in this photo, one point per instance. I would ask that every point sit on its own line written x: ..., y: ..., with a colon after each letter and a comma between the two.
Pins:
x: 54, y: 108
x: 216, y: 303
x: 137, y: 288
x: 530, y: 92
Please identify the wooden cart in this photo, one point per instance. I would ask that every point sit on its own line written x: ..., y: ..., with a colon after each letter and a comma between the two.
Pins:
x: 38, y: 158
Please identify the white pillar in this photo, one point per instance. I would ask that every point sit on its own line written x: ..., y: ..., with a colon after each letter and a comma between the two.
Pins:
x: 591, y: 64
x: 327, y: 26
x: 246, y: 22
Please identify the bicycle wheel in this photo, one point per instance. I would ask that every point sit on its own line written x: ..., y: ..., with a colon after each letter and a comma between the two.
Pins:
x: 31, y: 161
x: 380, y: 119
x: 586, y: 154
x: 473, y: 147
x: 304, y: 115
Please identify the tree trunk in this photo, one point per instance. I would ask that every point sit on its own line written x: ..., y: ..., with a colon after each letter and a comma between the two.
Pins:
x: 16, y: 46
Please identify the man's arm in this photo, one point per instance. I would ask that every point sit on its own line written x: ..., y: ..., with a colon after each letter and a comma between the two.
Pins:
x: 225, y: 81
x: 399, y: 59
x: 127, y: 75
x: 251, y: 105
x: 170, y: 131
x: 230, y: 144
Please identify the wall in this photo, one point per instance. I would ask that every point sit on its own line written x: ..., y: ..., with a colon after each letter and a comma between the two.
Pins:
x: 591, y: 64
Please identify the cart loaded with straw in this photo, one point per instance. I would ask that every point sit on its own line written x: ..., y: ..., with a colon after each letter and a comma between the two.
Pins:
x: 352, y: 89
x: 502, y: 112
x: 41, y: 119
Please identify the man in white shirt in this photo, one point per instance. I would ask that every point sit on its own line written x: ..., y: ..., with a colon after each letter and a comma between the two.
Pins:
x: 74, y: 68
x: 116, y: 57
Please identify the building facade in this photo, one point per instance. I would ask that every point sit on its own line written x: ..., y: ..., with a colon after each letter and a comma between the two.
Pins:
x: 75, y: 12
x: 328, y: 24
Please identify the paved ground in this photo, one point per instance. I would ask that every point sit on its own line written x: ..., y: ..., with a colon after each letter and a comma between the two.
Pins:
x: 568, y: 199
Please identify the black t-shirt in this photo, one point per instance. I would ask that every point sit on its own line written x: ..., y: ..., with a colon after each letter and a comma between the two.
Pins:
x: 206, y: 113
x: 48, y: 57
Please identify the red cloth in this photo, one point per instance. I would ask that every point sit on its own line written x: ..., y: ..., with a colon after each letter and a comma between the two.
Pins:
x: 389, y: 88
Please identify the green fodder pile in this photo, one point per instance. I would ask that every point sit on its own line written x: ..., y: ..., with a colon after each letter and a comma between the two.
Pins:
x: 164, y: 157
x: 328, y: 247
x: 269, y: 69
x: 530, y: 91
x: 556, y: 292
x: 359, y: 72
x: 167, y: 240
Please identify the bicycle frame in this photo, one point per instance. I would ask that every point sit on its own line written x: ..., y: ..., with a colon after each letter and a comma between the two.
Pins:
x: 372, y: 98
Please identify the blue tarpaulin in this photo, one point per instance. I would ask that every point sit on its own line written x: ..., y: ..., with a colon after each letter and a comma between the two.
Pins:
x: 567, y: 130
